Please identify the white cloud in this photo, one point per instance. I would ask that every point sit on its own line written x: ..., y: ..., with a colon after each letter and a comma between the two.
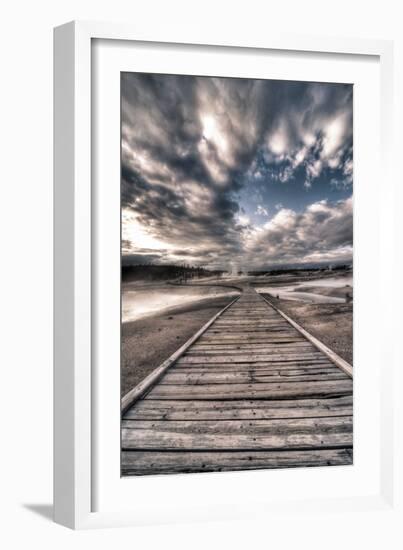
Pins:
x: 322, y: 232
x: 278, y: 141
x: 243, y: 220
x: 348, y: 168
x: 261, y: 210
x: 314, y: 169
x: 335, y: 133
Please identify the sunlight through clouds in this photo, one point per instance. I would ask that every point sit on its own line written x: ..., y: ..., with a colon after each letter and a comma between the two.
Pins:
x: 248, y: 172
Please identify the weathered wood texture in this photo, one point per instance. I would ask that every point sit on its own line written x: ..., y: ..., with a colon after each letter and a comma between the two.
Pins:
x: 250, y: 392
x: 146, y: 462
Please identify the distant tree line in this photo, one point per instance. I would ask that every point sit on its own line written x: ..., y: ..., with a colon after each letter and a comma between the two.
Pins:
x: 291, y: 271
x: 152, y: 272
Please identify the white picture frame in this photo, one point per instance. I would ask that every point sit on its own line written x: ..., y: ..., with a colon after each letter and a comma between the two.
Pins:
x: 77, y: 390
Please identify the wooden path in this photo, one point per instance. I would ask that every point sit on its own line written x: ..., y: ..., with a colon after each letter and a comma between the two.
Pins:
x: 251, y: 392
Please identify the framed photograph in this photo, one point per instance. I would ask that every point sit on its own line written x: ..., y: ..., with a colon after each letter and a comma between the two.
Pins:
x: 220, y: 233
x: 236, y: 207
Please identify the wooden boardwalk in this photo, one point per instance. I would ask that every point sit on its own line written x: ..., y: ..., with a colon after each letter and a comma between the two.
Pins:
x: 251, y: 392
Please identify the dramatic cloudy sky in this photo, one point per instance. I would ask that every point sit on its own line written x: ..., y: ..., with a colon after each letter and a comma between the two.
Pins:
x: 235, y: 173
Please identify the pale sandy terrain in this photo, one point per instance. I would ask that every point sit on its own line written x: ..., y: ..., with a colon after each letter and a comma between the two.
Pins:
x: 148, y: 341
x: 322, y: 305
x: 141, y: 300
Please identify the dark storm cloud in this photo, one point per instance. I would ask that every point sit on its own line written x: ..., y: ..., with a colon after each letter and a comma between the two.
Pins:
x: 189, y: 144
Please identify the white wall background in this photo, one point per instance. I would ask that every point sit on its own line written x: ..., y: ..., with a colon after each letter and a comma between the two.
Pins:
x: 26, y: 267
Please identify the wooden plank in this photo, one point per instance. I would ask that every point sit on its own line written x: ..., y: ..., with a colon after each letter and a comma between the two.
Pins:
x: 242, y: 317
x: 137, y: 392
x: 263, y: 324
x: 337, y: 360
x: 154, y: 409
x: 248, y: 341
x: 149, y: 462
x: 256, y: 353
x: 246, y: 358
x: 251, y: 376
x: 240, y: 314
x: 256, y: 350
x: 284, y: 390
x: 240, y: 325
x: 260, y: 341
x: 279, y: 368
x: 220, y: 345
x: 224, y: 344
x: 228, y: 379
x: 283, y: 331
x: 251, y: 337
x: 256, y: 365
x: 326, y: 424
x: 287, y: 434
x: 256, y: 317
x: 249, y: 367
x: 229, y: 338
x: 279, y: 344
x: 263, y: 318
